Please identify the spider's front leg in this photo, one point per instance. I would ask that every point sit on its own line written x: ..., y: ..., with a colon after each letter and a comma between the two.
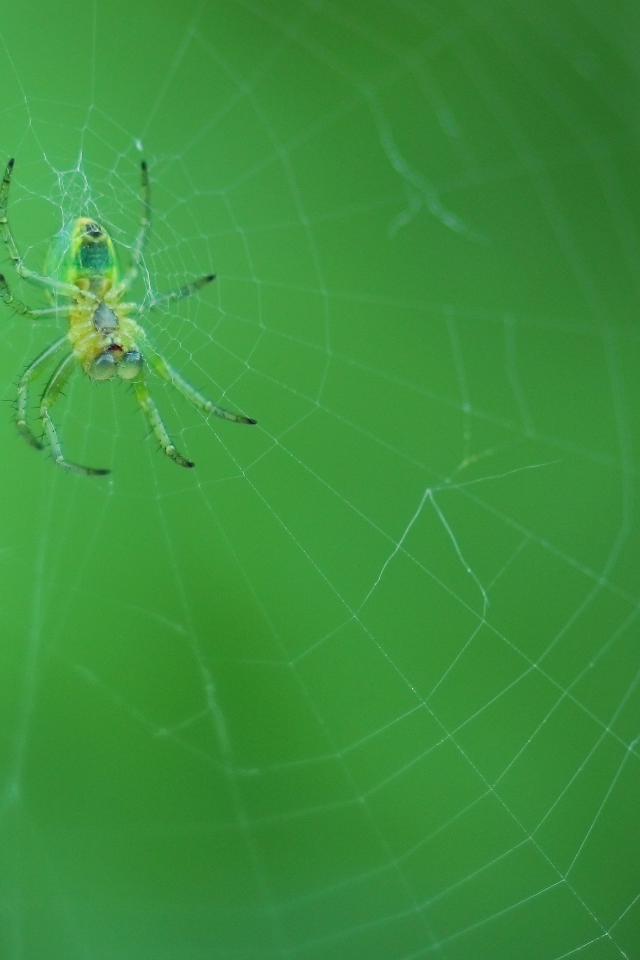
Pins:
x: 199, y: 401
x: 33, y: 371
x: 152, y: 414
x: 51, y: 393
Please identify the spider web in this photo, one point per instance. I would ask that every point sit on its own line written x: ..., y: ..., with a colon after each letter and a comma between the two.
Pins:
x: 365, y: 682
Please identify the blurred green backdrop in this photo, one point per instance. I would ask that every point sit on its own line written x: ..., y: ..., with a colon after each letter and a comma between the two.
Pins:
x: 364, y: 684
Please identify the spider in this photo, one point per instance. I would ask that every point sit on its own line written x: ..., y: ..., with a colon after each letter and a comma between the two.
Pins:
x: 103, y: 337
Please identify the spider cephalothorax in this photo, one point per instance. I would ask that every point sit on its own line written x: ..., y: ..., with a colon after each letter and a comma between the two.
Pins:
x: 103, y: 337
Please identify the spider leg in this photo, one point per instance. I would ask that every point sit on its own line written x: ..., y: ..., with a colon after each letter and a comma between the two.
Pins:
x: 199, y: 401
x: 65, y: 289
x: 185, y: 291
x: 51, y: 393
x: 141, y: 240
x: 33, y: 371
x: 23, y: 309
x: 154, y: 420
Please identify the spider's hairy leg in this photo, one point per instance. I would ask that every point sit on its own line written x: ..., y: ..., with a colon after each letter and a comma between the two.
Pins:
x: 33, y: 371
x: 24, y: 310
x: 185, y: 291
x: 145, y: 225
x: 65, y: 289
x: 154, y: 420
x: 51, y: 393
x: 199, y: 401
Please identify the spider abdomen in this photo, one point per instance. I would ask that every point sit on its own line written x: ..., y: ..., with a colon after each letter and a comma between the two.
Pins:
x: 94, y: 257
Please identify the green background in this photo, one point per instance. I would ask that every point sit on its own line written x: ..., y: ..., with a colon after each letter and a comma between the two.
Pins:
x: 364, y: 684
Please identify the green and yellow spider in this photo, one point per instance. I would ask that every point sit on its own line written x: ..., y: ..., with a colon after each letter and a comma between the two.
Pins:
x: 103, y: 338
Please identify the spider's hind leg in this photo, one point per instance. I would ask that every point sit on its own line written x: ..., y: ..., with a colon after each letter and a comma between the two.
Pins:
x: 23, y: 309
x: 6, y: 237
x: 145, y: 225
x: 187, y: 291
